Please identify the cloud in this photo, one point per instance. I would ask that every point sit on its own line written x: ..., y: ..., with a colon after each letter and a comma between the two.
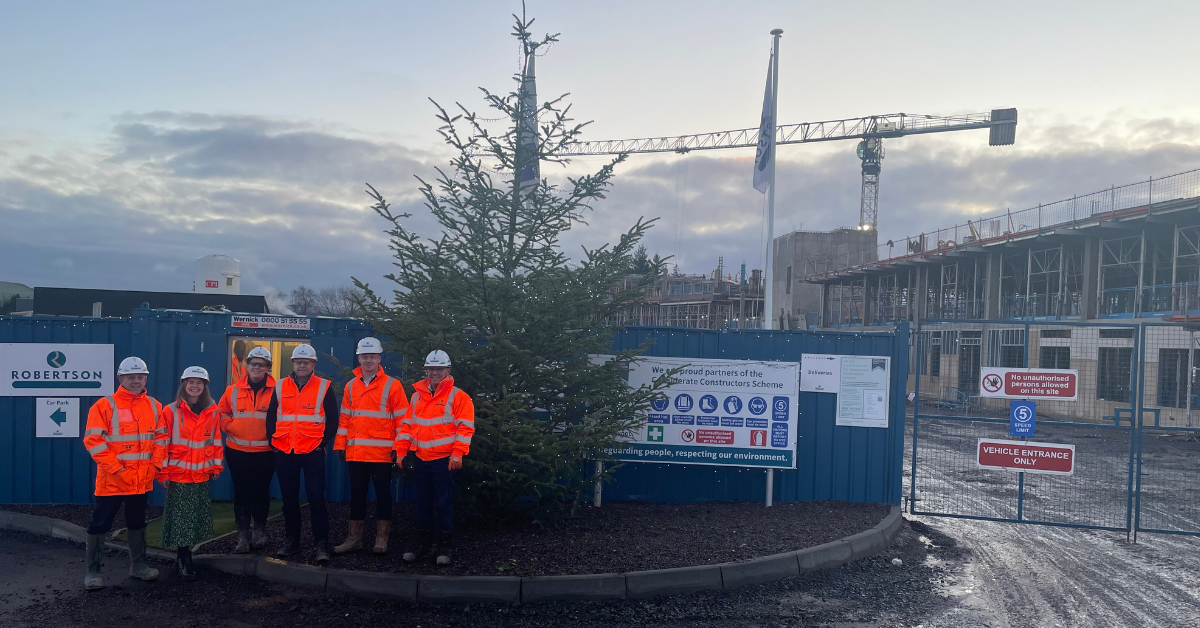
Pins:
x: 285, y: 197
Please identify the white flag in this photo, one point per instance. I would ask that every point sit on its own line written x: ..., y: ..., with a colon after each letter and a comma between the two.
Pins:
x: 764, y: 157
x: 528, y: 168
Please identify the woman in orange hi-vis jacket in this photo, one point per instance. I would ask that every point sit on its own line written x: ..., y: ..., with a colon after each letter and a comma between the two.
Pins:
x: 371, y: 406
x: 194, y: 457
x: 248, y: 453
x: 126, y: 437
x: 439, y: 430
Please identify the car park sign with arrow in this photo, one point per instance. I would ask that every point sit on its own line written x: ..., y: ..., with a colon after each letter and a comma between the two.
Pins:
x: 57, y: 418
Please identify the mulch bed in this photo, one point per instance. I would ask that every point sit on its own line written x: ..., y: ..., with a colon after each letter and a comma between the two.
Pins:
x: 618, y: 537
x: 79, y: 515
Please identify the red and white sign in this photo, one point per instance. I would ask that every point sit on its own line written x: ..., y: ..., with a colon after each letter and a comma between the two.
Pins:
x: 211, y: 283
x: 1058, y: 384
x: 714, y: 437
x: 758, y: 438
x: 1015, y: 455
x: 270, y: 322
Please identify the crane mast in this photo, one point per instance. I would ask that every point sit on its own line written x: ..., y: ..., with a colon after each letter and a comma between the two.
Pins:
x: 871, y: 130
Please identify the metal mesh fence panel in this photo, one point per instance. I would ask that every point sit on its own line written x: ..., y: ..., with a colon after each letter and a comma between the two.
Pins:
x: 1168, y: 460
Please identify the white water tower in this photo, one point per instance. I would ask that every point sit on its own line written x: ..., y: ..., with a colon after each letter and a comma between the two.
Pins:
x: 218, y: 274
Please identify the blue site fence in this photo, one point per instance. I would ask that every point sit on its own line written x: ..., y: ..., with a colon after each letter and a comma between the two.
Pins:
x: 834, y: 462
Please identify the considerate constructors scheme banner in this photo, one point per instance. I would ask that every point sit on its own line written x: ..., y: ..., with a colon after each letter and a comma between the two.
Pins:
x: 720, y: 412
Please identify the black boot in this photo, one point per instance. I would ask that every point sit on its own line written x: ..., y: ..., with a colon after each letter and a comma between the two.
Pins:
x: 290, y: 547
x: 423, y: 550
x: 445, y: 549
x: 243, y: 530
x: 322, y: 556
x: 183, y: 560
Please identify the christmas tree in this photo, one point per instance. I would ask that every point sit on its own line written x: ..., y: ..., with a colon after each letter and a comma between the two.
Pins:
x: 526, y: 326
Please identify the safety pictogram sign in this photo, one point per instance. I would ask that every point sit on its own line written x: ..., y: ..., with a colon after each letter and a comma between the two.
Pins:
x: 1008, y: 383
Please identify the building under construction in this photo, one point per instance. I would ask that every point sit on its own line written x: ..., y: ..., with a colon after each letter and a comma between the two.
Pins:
x: 718, y: 300
x: 1128, y: 254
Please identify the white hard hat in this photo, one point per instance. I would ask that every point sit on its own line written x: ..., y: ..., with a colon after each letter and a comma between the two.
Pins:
x: 194, y: 371
x: 437, y: 358
x: 304, y: 352
x: 369, y: 345
x: 131, y: 366
x: 259, y: 352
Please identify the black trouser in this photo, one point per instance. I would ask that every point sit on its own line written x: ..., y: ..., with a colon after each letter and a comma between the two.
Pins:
x: 251, y: 472
x: 107, y: 507
x: 435, y: 494
x: 361, y: 475
x: 288, y: 468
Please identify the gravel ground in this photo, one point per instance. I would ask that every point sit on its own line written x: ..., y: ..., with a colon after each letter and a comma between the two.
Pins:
x: 868, y: 592
x: 1031, y: 575
x: 618, y: 537
x: 79, y: 515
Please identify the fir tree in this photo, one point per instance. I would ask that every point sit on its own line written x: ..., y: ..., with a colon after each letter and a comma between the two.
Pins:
x: 522, y: 322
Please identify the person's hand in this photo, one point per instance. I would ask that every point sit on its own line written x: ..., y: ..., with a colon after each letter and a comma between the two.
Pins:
x: 164, y: 482
x: 407, y: 462
x: 455, y: 462
x: 341, y: 454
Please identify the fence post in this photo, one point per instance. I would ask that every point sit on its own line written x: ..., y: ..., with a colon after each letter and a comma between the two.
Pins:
x: 770, y: 487
x: 596, y: 499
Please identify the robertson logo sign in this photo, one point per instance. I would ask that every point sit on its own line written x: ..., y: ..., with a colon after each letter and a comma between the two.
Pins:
x: 1059, y: 384
x: 66, y: 370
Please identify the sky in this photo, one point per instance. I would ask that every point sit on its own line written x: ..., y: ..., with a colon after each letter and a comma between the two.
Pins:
x: 138, y: 136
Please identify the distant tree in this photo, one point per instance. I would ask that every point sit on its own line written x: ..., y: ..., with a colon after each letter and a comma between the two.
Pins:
x: 642, y: 263
x: 341, y: 301
x: 303, y: 301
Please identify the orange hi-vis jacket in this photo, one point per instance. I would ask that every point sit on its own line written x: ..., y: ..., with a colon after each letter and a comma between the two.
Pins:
x: 126, y: 437
x: 237, y: 368
x: 300, y: 422
x: 441, y: 424
x: 244, y: 415
x: 370, y: 413
x: 194, y: 452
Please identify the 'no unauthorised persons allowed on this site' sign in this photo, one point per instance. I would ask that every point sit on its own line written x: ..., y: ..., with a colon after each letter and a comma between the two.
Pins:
x: 1015, y: 455
x: 1060, y: 384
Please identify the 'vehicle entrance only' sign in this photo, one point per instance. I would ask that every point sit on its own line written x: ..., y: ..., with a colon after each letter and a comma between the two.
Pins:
x: 1015, y: 455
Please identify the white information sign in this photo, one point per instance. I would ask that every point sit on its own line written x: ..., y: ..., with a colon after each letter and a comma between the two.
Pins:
x: 720, y: 412
x: 271, y: 322
x: 820, y: 372
x: 56, y: 369
x: 863, y: 396
x: 57, y: 418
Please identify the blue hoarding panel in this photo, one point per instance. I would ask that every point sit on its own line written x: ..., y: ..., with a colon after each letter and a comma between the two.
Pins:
x: 845, y: 463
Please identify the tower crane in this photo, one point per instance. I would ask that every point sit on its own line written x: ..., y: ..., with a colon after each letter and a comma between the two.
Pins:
x: 869, y: 130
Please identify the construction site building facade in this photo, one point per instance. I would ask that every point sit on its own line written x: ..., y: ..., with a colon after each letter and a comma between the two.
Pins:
x: 1064, y: 285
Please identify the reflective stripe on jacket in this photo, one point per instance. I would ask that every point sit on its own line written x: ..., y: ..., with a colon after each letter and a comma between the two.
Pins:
x: 127, y: 438
x: 441, y: 422
x: 244, y: 415
x: 194, y: 451
x: 368, y: 427
x: 300, y: 422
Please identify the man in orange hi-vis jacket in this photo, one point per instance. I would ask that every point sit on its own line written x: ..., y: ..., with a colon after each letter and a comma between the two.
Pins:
x: 127, y: 438
x: 439, y: 430
x: 371, y: 406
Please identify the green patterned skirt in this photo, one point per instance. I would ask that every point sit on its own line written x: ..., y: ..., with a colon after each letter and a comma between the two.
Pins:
x: 187, y: 515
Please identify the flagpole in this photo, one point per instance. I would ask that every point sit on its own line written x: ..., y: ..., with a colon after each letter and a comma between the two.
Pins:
x: 769, y: 301
x: 768, y: 297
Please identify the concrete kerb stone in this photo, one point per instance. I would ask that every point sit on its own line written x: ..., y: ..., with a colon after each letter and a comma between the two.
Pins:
x: 758, y: 570
x: 235, y: 564
x: 283, y: 572
x: 678, y: 581
x: 469, y: 589
x: 601, y: 586
x: 824, y: 556
x: 377, y: 586
x: 509, y: 589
